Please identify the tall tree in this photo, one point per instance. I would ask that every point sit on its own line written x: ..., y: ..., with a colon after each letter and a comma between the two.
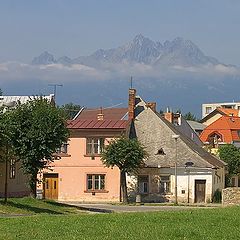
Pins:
x: 127, y: 155
x: 70, y: 109
x: 39, y: 129
x: 190, y: 116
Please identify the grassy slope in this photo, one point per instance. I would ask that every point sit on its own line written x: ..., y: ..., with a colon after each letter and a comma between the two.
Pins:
x: 220, y: 223
x: 33, y: 206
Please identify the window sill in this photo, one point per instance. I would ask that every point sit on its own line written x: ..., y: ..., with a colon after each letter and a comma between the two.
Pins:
x: 96, y: 191
x: 92, y: 155
x: 61, y: 155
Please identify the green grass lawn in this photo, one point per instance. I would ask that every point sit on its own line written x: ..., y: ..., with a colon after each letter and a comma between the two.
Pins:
x: 216, y: 223
x: 31, y: 206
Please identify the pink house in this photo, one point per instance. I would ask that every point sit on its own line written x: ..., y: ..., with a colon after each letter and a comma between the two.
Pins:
x: 79, y: 174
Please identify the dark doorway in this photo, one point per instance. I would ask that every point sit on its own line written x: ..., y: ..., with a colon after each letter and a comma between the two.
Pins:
x: 200, y: 189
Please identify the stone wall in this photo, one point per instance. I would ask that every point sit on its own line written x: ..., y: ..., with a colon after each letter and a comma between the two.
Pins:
x: 231, y: 196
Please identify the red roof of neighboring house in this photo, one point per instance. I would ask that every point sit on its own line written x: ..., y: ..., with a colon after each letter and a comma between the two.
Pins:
x: 226, y: 126
x: 97, y: 124
x: 229, y: 111
x: 88, y: 119
x: 109, y: 113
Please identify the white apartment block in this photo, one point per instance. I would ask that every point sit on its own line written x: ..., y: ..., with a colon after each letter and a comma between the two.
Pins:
x: 209, y: 107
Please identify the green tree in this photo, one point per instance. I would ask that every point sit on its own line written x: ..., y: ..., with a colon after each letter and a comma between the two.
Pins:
x: 190, y: 116
x: 6, y: 152
x: 127, y: 155
x: 70, y: 109
x: 38, y: 130
x: 231, y: 155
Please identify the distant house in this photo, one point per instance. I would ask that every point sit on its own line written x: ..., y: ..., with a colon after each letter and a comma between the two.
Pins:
x: 79, y: 174
x: 225, y: 130
x: 176, y: 166
x: 207, y: 108
x: 16, y: 179
x: 217, y: 113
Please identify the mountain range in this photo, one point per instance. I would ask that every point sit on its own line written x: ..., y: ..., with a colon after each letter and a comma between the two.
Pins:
x: 140, y: 50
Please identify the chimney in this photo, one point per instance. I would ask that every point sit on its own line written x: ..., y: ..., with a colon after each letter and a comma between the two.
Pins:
x: 169, y: 116
x: 100, y: 116
x: 152, y: 105
x: 131, y: 103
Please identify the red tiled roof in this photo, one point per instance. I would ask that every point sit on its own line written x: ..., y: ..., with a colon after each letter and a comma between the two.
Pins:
x: 226, y: 126
x: 109, y: 113
x: 97, y: 124
x: 229, y: 111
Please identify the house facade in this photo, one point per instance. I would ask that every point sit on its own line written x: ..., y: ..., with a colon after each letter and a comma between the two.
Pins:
x: 79, y: 174
x: 17, y: 181
x: 176, y: 169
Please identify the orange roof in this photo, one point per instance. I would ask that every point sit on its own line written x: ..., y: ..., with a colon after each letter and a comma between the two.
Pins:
x: 229, y: 111
x: 226, y: 126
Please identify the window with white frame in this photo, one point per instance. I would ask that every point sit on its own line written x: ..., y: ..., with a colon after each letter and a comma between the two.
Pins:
x: 143, y: 183
x: 165, y: 184
x: 95, y: 182
x: 94, y: 145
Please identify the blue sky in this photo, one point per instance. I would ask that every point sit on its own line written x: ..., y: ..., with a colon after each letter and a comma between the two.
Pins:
x: 76, y: 27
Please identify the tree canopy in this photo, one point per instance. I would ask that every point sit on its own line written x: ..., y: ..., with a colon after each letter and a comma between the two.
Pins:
x: 231, y: 155
x: 127, y: 155
x: 190, y: 116
x: 70, y: 109
x: 38, y: 129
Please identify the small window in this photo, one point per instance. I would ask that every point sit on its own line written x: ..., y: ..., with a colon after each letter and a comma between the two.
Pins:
x: 63, y: 148
x: 164, y: 184
x: 143, y: 184
x: 208, y: 110
x: 95, y: 182
x: 94, y: 145
x: 12, y: 169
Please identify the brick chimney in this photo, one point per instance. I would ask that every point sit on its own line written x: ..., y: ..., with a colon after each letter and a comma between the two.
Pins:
x: 100, y: 116
x: 169, y: 116
x: 131, y: 103
x: 152, y: 105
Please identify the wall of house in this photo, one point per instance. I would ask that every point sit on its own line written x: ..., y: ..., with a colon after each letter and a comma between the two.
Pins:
x: 73, y: 170
x: 18, y: 186
x: 185, y: 181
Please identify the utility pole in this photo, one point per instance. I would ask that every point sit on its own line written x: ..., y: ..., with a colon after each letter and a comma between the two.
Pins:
x: 55, y: 90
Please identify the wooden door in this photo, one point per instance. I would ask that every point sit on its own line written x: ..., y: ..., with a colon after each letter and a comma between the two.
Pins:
x: 50, y: 186
x: 200, y: 189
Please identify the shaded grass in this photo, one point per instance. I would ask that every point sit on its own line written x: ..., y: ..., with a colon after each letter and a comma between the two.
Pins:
x: 33, y: 206
x: 218, y: 223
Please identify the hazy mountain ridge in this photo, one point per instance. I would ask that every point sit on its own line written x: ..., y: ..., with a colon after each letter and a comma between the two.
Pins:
x: 140, y: 50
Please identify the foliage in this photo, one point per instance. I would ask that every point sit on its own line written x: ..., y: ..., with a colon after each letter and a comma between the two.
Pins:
x: 231, y: 155
x: 190, y: 116
x: 217, y: 196
x: 70, y: 109
x: 194, y: 224
x: 38, y: 130
x: 127, y: 155
x: 1, y: 93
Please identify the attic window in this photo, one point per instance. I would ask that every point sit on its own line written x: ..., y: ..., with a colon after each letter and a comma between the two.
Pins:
x: 160, y: 152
